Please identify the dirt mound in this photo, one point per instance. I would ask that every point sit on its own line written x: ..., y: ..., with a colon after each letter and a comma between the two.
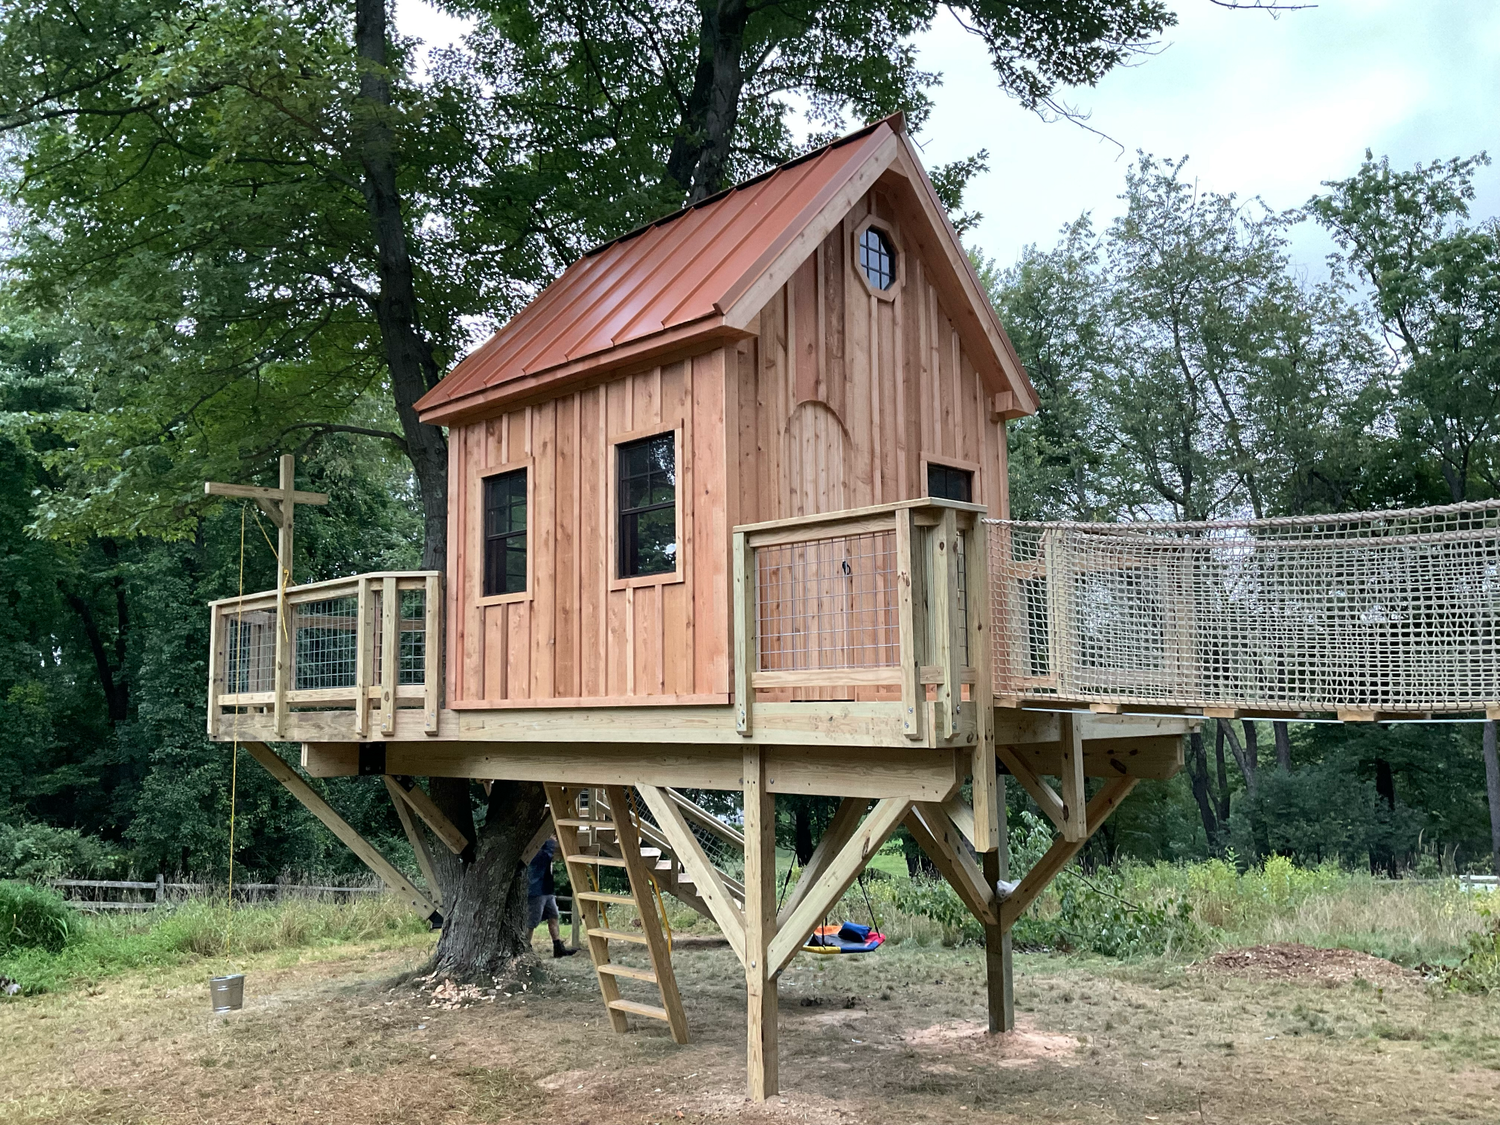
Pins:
x: 1289, y: 961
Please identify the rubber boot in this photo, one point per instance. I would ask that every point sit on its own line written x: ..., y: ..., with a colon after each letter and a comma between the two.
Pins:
x: 561, y: 950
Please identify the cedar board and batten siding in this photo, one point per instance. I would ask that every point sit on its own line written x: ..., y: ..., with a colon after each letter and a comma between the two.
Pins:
x: 838, y: 402
x: 579, y: 634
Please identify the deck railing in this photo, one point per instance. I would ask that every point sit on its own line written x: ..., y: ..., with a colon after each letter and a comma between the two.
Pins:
x: 325, y: 645
x: 1360, y: 614
x: 871, y: 599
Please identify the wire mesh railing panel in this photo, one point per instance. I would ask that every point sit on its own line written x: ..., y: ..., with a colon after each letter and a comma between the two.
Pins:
x: 1381, y: 611
x: 249, y: 651
x: 411, y: 637
x: 828, y: 604
x: 326, y: 636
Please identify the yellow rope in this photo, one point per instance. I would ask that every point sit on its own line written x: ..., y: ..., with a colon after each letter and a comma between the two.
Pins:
x: 234, y: 759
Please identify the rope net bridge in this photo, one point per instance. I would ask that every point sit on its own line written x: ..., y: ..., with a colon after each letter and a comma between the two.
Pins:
x: 1374, y: 612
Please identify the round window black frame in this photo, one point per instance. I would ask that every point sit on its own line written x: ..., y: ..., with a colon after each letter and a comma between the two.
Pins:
x: 877, y: 258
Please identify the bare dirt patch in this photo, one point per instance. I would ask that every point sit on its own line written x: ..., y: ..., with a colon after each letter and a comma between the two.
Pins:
x: 1027, y: 1045
x: 1292, y: 962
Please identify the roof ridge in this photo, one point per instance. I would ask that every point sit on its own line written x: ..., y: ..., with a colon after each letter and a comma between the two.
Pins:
x: 896, y: 120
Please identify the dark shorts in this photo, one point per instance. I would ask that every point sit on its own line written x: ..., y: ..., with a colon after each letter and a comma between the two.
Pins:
x: 540, y: 908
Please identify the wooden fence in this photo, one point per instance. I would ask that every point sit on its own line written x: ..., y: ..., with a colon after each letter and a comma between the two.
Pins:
x: 163, y: 893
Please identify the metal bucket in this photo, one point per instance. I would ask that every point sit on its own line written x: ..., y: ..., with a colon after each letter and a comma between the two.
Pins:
x: 227, y: 993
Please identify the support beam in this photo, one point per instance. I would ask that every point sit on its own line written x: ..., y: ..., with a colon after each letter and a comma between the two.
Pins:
x: 443, y: 828
x: 939, y: 837
x: 340, y: 828
x: 837, y: 878
x: 985, y: 833
x: 707, y: 880
x: 543, y: 834
x: 414, y: 835
x: 1074, y: 825
x: 762, y: 1057
x: 1062, y: 851
x: 843, y: 825
x: 999, y: 978
x: 962, y: 815
x: 1043, y: 794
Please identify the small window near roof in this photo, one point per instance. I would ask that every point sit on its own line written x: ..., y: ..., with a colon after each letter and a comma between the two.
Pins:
x: 947, y: 483
x: 877, y: 257
x: 648, y: 506
x: 505, y: 533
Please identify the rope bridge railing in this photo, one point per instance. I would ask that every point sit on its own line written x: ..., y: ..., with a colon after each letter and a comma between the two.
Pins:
x: 1375, y: 611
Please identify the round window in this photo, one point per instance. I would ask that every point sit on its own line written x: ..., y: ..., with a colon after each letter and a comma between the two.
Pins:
x: 877, y: 257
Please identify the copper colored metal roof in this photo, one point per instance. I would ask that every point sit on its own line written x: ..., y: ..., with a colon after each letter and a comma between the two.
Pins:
x: 665, y: 284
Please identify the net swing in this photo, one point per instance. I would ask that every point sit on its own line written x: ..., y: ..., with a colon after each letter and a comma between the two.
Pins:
x: 848, y: 937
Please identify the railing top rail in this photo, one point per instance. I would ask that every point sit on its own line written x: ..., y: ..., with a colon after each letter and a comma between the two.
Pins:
x: 869, y: 512
x: 330, y: 586
x: 1335, y: 524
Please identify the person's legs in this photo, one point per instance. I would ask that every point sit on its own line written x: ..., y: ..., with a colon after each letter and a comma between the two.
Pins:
x: 549, y: 912
x: 536, y: 906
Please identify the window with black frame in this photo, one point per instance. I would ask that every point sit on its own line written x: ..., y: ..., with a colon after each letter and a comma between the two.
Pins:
x: 505, y: 533
x: 947, y: 483
x: 648, y: 506
x: 877, y: 257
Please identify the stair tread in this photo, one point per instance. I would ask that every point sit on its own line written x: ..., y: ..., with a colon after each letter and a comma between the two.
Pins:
x: 601, y: 860
x: 605, y: 896
x: 614, y: 970
x: 577, y: 822
x: 650, y: 1011
x: 618, y: 935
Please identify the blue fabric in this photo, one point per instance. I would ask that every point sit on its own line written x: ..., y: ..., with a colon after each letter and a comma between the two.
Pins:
x: 539, y: 872
x: 853, y: 931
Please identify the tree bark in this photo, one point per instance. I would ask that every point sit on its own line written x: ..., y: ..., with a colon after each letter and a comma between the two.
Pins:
x: 484, y: 890
x: 1222, y: 769
x: 1197, y: 763
x: 1283, y: 745
x: 699, y: 160
x: 1492, y: 786
x: 408, y: 353
x: 1385, y: 789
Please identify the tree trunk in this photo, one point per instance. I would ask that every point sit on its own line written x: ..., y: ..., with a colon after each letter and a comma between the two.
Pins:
x: 802, y: 841
x: 1492, y: 785
x: 1222, y: 768
x: 1197, y: 763
x: 699, y: 159
x: 484, y: 891
x: 408, y: 353
x: 1385, y: 788
x: 1283, y: 745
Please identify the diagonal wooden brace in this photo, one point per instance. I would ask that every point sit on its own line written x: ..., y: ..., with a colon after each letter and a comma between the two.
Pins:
x: 843, y: 825
x: 706, y: 877
x: 340, y: 828
x: 939, y: 837
x: 1062, y: 851
x: 423, y: 805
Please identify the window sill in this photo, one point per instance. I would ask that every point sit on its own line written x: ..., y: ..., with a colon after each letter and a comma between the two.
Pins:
x: 666, y: 578
x: 505, y: 599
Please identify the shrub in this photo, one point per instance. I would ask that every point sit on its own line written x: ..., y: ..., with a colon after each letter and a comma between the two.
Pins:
x: 1479, y: 971
x: 32, y: 917
x: 39, y: 851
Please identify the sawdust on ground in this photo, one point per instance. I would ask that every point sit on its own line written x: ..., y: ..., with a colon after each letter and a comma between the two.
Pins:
x: 1293, y: 962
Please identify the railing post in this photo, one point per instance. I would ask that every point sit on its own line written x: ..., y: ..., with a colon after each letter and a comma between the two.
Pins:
x: 282, y: 669
x: 1057, y: 632
x: 364, y: 655
x: 745, y: 623
x: 216, y: 666
x: 390, y: 655
x: 945, y: 620
x: 913, y: 698
x: 432, y: 653
x: 981, y: 695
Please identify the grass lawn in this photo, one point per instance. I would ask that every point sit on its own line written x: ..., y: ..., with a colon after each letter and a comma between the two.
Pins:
x: 891, y: 1039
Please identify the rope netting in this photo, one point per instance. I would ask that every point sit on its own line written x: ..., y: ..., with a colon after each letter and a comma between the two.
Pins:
x: 1370, y: 611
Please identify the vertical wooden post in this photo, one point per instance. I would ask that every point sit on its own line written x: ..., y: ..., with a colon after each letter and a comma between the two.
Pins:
x: 390, y: 652
x: 760, y: 927
x: 285, y: 637
x: 1075, y: 824
x: 981, y: 695
x: 364, y: 655
x: 216, y: 665
x: 998, y: 976
x: 944, y: 605
x: 432, y: 650
x: 745, y: 625
x: 913, y: 697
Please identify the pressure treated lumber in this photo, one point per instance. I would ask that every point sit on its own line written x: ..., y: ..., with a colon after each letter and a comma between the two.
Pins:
x: 708, y: 882
x: 940, y: 839
x: 340, y: 828
x: 762, y: 1058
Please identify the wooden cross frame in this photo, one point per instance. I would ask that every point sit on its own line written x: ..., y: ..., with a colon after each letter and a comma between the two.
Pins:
x: 280, y: 505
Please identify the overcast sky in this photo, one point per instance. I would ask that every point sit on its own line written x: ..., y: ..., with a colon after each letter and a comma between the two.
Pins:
x: 1263, y: 106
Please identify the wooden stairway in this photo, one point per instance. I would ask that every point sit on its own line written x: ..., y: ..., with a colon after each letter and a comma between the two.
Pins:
x: 579, y: 840
x: 671, y: 875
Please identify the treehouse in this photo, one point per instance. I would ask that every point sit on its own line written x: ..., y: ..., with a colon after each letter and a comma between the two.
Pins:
x: 728, y: 511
